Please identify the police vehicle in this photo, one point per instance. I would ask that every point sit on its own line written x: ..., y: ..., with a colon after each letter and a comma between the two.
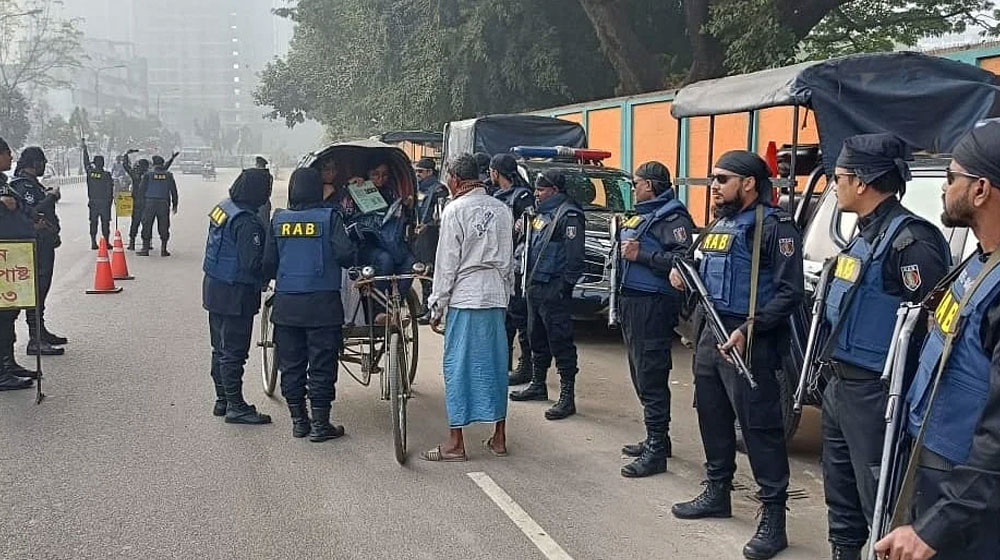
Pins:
x: 601, y: 191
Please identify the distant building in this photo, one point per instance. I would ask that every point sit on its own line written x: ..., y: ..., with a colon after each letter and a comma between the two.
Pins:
x: 111, y: 78
x: 203, y: 57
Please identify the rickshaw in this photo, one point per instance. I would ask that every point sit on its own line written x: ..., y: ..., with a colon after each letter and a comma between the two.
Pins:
x: 388, y: 350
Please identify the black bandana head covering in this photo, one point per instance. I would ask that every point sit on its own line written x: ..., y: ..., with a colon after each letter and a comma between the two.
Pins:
x: 871, y: 156
x: 748, y: 164
x: 252, y: 186
x: 656, y: 173
x: 551, y: 178
x: 979, y: 152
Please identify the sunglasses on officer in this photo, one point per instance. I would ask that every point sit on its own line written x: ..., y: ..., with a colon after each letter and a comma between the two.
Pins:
x: 951, y: 175
x: 723, y: 178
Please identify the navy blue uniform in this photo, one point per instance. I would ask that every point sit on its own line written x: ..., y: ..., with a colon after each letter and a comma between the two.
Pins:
x: 100, y: 194
x: 649, y: 304
x: 160, y: 194
x: 233, y: 264
x: 430, y: 195
x: 957, y: 502
x: 14, y: 224
x: 554, y: 269
x: 305, y: 254
x: 519, y: 198
x: 40, y: 204
x: 896, y: 257
x: 721, y: 394
x: 138, y: 199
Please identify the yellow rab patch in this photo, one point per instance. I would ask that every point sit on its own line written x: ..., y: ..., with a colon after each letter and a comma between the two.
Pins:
x: 538, y: 223
x: 633, y: 222
x: 718, y: 242
x: 160, y: 176
x: 848, y: 268
x: 96, y: 175
x: 218, y: 216
x: 299, y: 229
x: 946, y: 314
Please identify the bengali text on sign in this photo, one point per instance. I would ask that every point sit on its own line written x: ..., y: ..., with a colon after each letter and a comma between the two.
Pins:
x: 17, y: 274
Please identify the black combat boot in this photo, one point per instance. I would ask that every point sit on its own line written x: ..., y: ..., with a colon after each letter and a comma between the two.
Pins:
x: 652, y: 461
x: 93, y: 244
x: 220, y: 400
x: 53, y: 338
x: 244, y: 413
x: 770, y: 538
x: 131, y: 243
x: 522, y: 374
x: 10, y: 382
x: 566, y: 405
x: 163, y: 249
x: 9, y: 365
x: 322, y: 429
x: 300, y: 420
x: 714, y: 501
x: 844, y: 553
x: 36, y: 347
x: 144, y: 250
x: 536, y: 391
x: 635, y: 449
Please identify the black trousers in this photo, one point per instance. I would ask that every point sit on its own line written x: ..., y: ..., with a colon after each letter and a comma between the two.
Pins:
x: 853, y: 430
x: 156, y: 210
x: 100, y: 210
x: 138, y: 206
x: 307, y: 360
x: 46, y: 267
x: 517, y: 326
x: 648, y: 329
x: 722, y: 396
x: 230, y: 336
x: 980, y: 541
x: 7, y: 336
x: 550, y: 328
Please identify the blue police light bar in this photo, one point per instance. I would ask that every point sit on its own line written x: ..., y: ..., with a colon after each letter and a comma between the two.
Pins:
x: 559, y: 151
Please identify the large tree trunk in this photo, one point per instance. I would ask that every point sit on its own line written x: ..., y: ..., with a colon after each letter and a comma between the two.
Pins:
x: 638, y: 70
x: 707, y: 53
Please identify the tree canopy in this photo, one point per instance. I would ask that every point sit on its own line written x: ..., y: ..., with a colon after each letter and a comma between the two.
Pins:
x: 366, y: 66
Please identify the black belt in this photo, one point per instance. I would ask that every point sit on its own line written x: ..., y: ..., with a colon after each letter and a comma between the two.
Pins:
x: 852, y: 372
x: 931, y: 460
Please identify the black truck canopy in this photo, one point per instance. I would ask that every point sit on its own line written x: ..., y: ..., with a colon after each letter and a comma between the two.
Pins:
x: 928, y: 101
x: 496, y: 134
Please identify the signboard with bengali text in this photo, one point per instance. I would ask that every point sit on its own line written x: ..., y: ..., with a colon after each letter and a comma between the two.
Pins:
x: 17, y: 274
x: 123, y: 203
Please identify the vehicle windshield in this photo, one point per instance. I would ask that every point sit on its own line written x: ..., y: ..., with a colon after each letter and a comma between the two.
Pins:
x: 923, y: 197
x: 599, y: 189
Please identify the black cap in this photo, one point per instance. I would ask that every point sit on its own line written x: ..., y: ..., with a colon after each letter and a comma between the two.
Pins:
x: 426, y: 163
x: 551, y: 178
x: 504, y: 164
x: 32, y: 154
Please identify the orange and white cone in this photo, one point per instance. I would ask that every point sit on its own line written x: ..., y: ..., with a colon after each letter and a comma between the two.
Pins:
x: 119, y: 268
x: 104, y: 281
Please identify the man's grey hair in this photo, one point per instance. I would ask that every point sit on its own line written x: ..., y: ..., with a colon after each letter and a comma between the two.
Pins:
x: 464, y: 167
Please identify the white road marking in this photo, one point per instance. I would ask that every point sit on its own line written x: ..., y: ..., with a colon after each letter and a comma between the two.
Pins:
x: 524, y: 522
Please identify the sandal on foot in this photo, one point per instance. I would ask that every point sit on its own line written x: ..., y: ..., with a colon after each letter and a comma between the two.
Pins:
x: 488, y: 444
x: 435, y: 455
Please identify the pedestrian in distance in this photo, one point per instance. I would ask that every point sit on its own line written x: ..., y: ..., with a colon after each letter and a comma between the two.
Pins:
x: 659, y: 231
x: 747, y: 229
x: 233, y: 267
x: 950, y: 509
x: 896, y: 257
x: 305, y: 252
x: 472, y: 285
x: 100, y: 195
x: 555, y: 263
x: 160, y: 195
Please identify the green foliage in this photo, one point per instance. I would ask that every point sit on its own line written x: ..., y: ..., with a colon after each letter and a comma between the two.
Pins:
x: 36, y: 44
x: 367, y: 66
x: 14, y: 122
x: 123, y: 131
x: 58, y: 133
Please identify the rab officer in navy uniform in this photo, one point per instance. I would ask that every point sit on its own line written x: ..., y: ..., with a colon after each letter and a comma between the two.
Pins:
x: 100, y: 195
x: 304, y: 254
x: 234, y: 254
x: 741, y: 190
x: 514, y: 192
x: 160, y: 195
x: 555, y: 263
x: 896, y: 257
x: 660, y: 230
x: 956, y: 503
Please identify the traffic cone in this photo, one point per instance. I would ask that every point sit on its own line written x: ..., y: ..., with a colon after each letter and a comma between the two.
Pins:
x: 104, y: 281
x: 119, y: 268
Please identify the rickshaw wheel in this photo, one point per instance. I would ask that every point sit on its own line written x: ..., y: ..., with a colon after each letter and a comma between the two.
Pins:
x: 268, y: 360
x: 411, y: 331
x: 397, y: 397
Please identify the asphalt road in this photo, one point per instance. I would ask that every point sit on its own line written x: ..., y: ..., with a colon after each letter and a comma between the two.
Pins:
x: 124, y: 459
